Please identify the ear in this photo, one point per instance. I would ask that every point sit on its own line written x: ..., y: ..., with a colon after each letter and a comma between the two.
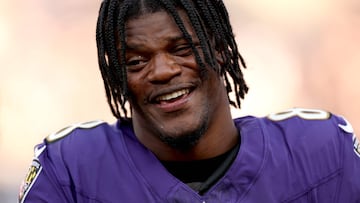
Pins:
x: 219, y: 58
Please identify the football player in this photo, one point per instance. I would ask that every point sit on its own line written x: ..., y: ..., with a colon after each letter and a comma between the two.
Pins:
x: 175, y: 62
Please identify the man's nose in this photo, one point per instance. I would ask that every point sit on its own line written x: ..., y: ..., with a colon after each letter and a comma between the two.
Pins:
x: 163, y: 68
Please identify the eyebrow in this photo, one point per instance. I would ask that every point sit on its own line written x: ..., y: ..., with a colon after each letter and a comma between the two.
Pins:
x: 170, y: 40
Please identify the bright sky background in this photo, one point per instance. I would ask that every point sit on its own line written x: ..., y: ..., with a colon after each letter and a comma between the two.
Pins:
x: 300, y: 53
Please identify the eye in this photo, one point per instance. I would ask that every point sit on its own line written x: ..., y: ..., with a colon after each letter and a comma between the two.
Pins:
x: 182, y: 50
x: 135, y: 63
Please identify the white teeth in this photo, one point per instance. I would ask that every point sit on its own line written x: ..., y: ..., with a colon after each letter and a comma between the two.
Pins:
x: 173, y: 95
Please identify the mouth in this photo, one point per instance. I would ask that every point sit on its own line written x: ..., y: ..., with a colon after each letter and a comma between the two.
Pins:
x: 173, y: 96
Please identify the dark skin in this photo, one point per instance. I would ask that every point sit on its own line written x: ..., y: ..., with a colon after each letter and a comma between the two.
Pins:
x: 169, y: 98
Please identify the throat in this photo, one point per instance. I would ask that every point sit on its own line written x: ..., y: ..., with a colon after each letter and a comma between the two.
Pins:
x: 200, y: 175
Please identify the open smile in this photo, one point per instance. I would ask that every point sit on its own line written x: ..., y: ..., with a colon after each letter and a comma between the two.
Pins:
x: 172, y: 96
x: 171, y: 101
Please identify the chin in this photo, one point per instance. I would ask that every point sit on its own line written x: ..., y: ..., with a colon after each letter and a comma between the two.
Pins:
x: 184, y: 141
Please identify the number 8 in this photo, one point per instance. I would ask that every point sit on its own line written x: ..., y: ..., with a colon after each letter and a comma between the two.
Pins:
x: 307, y: 114
x: 67, y: 130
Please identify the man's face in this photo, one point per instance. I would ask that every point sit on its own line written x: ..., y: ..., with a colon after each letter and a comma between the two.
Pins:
x: 169, y: 98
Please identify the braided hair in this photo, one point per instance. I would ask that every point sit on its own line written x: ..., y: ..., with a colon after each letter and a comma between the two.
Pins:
x: 209, y: 19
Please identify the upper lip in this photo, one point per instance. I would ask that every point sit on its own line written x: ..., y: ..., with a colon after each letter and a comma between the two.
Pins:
x: 160, y: 92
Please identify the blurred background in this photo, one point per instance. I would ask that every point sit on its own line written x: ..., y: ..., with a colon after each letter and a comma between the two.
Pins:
x: 300, y: 53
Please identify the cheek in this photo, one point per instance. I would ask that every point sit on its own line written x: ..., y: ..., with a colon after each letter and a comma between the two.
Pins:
x: 135, y: 88
x: 188, y: 62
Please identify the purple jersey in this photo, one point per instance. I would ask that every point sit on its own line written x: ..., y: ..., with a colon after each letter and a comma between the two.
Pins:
x: 294, y: 156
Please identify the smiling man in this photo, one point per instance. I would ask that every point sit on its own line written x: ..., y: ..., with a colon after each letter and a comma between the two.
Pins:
x: 175, y: 62
x: 174, y: 104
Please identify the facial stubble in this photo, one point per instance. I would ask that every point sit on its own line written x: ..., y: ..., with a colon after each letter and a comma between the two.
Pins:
x: 185, y: 141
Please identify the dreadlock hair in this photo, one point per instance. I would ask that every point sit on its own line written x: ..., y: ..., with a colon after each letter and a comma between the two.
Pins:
x: 209, y: 19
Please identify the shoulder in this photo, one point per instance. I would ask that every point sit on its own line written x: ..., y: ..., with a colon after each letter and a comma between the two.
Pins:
x: 313, y: 127
x: 88, y: 132
x: 295, y: 121
x: 319, y: 147
x: 81, y: 145
x: 79, y: 137
x: 84, y: 128
x: 76, y: 141
x: 304, y: 121
x: 69, y: 155
x: 311, y: 139
x: 305, y: 136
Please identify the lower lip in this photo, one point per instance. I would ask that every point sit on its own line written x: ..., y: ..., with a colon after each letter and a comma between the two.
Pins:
x: 175, y: 105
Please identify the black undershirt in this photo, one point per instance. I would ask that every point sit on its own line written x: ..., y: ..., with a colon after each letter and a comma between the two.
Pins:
x: 200, y: 175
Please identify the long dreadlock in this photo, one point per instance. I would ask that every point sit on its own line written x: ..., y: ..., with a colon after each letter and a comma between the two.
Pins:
x: 209, y: 19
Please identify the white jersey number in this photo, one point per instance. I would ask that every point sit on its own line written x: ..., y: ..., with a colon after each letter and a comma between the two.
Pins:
x: 67, y: 130
x: 308, y: 114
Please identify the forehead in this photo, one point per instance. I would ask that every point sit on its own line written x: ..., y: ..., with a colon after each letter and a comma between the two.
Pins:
x: 155, y: 26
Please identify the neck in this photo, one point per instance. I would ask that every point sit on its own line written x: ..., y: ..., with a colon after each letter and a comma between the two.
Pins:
x: 221, y: 136
x: 208, y: 147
